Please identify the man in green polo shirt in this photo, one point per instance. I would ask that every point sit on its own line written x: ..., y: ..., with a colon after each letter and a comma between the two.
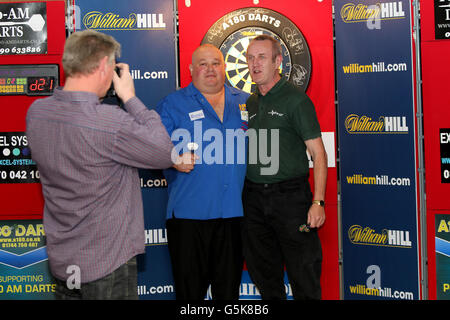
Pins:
x: 281, y: 213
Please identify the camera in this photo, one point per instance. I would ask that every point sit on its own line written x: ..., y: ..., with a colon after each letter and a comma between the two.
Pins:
x: 111, y: 96
x: 117, y: 69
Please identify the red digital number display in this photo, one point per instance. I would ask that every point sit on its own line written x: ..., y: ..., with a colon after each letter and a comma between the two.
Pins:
x: 40, y: 85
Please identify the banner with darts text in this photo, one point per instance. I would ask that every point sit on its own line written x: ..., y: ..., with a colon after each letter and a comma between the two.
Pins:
x: 145, y: 30
x: 376, y: 120
x: 24, y: 271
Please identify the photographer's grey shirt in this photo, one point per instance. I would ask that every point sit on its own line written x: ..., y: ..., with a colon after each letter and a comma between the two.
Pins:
x: 87, y: 154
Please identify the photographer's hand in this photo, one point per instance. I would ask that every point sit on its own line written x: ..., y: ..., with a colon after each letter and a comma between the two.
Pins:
x: 124, y: 85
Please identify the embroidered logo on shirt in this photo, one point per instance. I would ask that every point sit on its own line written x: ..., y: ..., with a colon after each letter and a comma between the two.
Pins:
x: 274, y: 113
x: 196, y: 115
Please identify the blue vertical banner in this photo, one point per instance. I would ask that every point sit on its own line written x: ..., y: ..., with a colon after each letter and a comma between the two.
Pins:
x: 145, y: 30
x: 374, y: 69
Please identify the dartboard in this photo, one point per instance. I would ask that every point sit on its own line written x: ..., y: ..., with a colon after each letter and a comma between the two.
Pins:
x: 233, y: 32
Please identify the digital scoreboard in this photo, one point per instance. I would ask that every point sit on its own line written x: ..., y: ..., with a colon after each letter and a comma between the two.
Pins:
x: 29, y: 80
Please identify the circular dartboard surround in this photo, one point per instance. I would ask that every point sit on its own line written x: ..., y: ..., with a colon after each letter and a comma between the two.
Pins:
x: 233, y: 32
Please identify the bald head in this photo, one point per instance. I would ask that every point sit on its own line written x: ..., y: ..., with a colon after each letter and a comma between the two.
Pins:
x: 205, y: 47
x: 208, y: 69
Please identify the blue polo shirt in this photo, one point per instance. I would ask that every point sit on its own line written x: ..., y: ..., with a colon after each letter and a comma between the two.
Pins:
x: 214, y: 188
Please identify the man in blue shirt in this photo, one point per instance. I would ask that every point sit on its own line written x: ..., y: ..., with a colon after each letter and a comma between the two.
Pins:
x: 204, y: 210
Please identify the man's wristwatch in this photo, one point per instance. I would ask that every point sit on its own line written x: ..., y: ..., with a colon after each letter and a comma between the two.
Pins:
x: 319, y: 202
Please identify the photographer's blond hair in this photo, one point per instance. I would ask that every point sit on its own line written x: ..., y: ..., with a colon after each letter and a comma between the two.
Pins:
x: 84, y: 50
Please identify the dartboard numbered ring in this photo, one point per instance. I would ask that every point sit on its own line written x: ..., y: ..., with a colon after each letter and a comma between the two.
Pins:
x: 233, y: 32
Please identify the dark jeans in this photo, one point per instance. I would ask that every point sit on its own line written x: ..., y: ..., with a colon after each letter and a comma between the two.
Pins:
x: 121, y: 284
x: 203, y: 253
x: 273, y: 214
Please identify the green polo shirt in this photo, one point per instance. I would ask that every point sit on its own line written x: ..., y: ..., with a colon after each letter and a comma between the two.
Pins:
x: 288, y: 109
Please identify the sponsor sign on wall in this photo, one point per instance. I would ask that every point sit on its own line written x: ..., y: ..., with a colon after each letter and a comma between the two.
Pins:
x: 444, y: 140
x: 24, y: 271
x: 377, y: 149
x: 23, y: 28
x: 442, y: 243
x: 16, y: 165
x: 442, y: 19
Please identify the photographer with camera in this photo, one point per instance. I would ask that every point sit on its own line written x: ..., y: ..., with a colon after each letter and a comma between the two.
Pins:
x: 87, y: 153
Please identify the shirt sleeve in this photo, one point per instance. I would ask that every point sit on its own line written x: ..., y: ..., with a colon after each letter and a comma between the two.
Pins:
x: 305, y: 119
x: 166, y: 118
x: 142, y: 140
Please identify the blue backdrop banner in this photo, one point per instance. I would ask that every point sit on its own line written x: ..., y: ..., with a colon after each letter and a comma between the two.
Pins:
x: 145, y: 30
x: 376, y: 119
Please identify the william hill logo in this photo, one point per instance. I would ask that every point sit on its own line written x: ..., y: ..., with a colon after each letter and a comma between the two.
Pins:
x: 135, y: 21
x: 360, y: 12
x: 387, y: 238
x: 155, y: 237
x: 356, y: 124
